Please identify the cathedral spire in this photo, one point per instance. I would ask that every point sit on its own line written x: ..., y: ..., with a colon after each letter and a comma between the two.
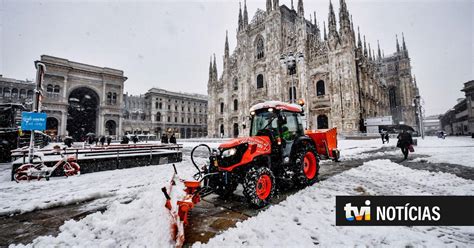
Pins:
x: 344, y: 22
x: 292, y: 5
x: 398, y: 45
x: 403, y: 43
x: 226, y: 46
x: 315, y: 22
x: 211, y: 77
x: 379, y: 54
x: 246, y: 16
x: 240, y: 16
x: 300, y: 8
x: 370, y: 53
x: 214, y: 68
x: 276, y: 5
x: 365, y: 47
x: 332, y: 21
x: 269, y: 6
x: 324, y: 27
x: 359, y: 42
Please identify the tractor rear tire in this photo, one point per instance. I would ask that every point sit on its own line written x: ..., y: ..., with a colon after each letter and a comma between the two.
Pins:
x: 259, y: 186
x: 305, y: 165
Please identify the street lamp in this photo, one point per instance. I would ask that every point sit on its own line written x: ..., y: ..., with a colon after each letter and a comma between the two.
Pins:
x: 290, y: 60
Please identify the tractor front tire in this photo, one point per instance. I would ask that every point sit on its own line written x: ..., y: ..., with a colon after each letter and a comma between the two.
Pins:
x: 305, y: 165
x: 259, y: 186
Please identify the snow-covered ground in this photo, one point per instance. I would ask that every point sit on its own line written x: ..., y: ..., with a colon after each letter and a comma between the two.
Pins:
x: 453, y: 149
x: 304, y: 219
x: 307, y: 217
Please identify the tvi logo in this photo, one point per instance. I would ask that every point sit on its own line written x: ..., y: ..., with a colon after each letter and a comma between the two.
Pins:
x: 356, y: 213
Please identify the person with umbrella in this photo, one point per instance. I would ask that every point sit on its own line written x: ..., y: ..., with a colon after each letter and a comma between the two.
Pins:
x: 405, y: 143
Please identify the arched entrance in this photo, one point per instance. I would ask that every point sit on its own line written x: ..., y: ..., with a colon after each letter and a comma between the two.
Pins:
x: 52, y: 126
x: 82, y: 113
x: 236, y: 130
x: 110, y: 127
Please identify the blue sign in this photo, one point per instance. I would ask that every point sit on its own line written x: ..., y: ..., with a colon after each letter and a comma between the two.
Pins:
x: 33, y: 121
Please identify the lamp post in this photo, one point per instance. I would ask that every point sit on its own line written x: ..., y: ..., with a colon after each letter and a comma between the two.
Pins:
x: 290, y: 60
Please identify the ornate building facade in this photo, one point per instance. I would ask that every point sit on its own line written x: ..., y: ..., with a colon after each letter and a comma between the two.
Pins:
x: 342, y: 79
x: 161, y: 111
x: 80, y: 99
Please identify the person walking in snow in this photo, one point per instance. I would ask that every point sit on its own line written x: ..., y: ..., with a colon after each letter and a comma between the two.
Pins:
x: 102, y: 140
x: 387, y: 137
x: 172, y: 139
x: 405, y: 142
x: 109, y: 140
x: 382, y: 135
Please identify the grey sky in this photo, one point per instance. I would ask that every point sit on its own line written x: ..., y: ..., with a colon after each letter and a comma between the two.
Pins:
x: 168, y: 43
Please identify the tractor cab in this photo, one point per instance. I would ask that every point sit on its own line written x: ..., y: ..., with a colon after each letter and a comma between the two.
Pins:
x: 281, y: 122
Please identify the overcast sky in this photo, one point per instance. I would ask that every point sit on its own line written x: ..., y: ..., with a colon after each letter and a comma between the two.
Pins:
x: 167, y: 44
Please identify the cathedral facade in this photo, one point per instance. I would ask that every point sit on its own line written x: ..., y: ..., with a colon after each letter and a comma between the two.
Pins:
x: 342, y: 80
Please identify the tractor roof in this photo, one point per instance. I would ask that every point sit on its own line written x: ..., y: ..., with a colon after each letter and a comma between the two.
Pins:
x: 277, y: 105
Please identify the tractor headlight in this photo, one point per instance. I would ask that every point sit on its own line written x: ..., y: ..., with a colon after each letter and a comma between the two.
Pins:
x: 229, y: 152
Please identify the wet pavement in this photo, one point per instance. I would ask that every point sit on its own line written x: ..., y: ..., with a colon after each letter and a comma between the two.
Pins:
x: 213, y: 214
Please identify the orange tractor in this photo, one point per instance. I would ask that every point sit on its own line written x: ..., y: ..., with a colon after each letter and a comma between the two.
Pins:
x: 278, y: 152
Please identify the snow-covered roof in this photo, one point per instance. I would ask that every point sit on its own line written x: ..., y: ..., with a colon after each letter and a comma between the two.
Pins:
x: 277, y: 105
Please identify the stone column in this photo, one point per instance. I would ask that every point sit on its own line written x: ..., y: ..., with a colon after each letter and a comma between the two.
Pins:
x: 62, y: 129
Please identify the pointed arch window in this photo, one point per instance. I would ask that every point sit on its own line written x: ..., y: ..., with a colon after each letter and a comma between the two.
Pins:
x: 259, y: 81
x: 49, y: 88
x: 292, y: 93
x: 57, y: 89
x: 260, y: 48
x: 235, y: 84
x: 320, y: 89
x: 236, y: 105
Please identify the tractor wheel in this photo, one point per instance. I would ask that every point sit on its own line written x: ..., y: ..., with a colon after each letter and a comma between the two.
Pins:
x: 259, y: 186
x: 306, y: 165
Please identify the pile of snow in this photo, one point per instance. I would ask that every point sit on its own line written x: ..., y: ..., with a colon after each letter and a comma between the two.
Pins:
x: 307, y: 218
x: 122, y: 185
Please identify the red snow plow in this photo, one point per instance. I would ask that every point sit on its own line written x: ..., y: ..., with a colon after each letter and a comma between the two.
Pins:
x: 278, y: 153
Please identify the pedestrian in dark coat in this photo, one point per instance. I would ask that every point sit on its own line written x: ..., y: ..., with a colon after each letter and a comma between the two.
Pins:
x: 382, y: 136
x: 387, y: 137
x: 405, y: 140
x: 172, y: 139
x: 109, y: 139
x: 135, y: 139
x: 164, y: 139
x: 125, y: 140
x: 102, y: 140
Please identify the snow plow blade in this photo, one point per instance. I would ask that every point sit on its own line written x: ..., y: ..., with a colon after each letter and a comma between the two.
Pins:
x: 179, y: 211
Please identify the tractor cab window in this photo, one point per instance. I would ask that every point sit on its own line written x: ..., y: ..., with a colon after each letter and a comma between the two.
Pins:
x: 292, y: 128
x: 262, y: 120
